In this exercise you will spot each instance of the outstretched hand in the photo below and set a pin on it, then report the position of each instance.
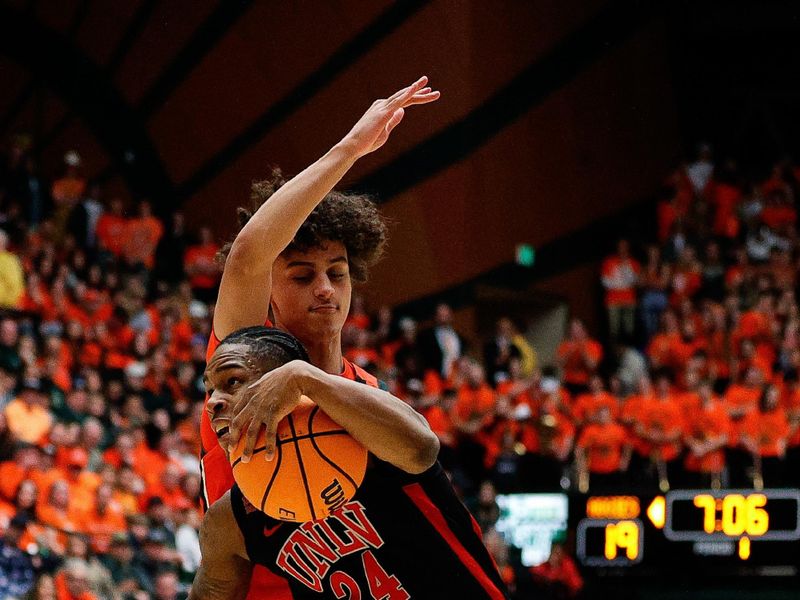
(374, 127)
(263, 404)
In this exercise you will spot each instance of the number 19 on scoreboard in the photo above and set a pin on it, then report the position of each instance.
(609, 542)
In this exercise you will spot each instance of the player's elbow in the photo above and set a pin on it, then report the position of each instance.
(425, 453)
(246, 257)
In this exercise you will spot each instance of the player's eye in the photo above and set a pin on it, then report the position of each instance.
(337, 276)
(234, 381)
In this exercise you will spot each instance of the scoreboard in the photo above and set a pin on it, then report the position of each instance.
(716, 531)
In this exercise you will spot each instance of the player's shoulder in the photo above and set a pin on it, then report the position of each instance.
(354, 372)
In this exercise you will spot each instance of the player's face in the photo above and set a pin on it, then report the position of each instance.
(228, 373)
(311, 292)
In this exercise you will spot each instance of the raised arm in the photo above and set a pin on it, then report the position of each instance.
(246, 284)
(382, 423)
(224, 572)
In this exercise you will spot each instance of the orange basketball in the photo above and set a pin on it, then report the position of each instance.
(317, 467)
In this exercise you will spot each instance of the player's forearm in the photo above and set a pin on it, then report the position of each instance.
(270, 230)
(385, 425)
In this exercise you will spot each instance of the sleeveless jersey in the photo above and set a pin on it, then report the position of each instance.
(401, 536)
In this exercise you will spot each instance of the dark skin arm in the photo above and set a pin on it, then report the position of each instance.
(224, 573)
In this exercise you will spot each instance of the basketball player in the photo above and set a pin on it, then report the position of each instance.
(401, 536)
(297, 256)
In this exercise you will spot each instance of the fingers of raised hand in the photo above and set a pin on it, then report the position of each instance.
(418, 84)
(422, 97)
(400, 97)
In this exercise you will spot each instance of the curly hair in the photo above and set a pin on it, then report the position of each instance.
(351, 219)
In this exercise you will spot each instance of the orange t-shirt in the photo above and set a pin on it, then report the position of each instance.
(769, 430)
(706, 422)
(792, 402)
(201, 256)
(740, 401)
(629, 416)
(663, 416)
(111, 232)
(474, 403)
(604, 444)
(615, 268)
(587, 406)
(141, 238)
(101, 527)
(68, 188)
(664, 349)
(28, 424)
(572, 354)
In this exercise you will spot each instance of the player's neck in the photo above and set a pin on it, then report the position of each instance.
(325, 353)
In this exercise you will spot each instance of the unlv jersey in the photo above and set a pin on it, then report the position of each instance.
(401, 536)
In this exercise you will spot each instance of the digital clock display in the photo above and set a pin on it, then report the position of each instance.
(697, 516)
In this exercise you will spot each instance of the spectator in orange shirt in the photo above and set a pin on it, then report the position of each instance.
(587, 406)
(474, 409)
(56, 510)
(142, 234)
(201, 266)
(168, 488)
(437, 410)
(604, 450)
(72, 581)
(765, 434)
(620, 276)
(103, 519)
(707, 430)
(558, 577)
(27, 415)
(111, 230)
(578, 356)
(741, 400)
(661, 424)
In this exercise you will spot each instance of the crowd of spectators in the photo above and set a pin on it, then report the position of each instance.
(106, 317)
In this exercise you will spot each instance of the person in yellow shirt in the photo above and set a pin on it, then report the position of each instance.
(12, 279)
(27, 415)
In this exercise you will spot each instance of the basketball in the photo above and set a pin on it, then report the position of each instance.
(317, 467)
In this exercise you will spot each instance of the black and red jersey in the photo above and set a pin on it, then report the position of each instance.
(401, 536)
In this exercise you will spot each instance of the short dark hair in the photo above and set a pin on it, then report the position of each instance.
(270, 346)
(352, 219)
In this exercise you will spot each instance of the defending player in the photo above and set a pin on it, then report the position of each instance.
(297, 256)
(401, 536)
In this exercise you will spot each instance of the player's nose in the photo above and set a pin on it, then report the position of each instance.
(324, 288)
(217, 405)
